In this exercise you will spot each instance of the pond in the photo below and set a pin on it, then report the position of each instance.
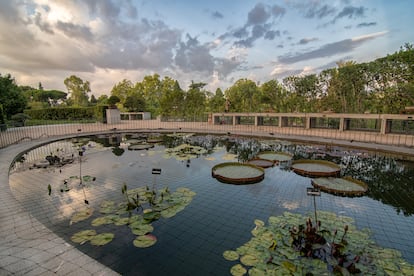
(218, 216)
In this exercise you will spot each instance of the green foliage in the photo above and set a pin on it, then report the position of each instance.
(11, 96)
(78, 90)
(113, 100)
(63, 113)
(2, 117)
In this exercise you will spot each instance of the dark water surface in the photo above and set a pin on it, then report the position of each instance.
(220, 216)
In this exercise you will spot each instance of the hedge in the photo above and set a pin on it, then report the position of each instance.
(68, 113)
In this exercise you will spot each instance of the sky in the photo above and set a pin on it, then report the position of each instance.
(216, 42)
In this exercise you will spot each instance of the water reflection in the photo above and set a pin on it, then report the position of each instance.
(219, 214)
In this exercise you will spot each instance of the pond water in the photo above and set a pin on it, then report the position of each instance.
(220, 216)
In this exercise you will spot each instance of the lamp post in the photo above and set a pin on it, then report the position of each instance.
(311, 191)
(81, 151)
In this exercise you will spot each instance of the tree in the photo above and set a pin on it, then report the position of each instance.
(135, 103)
(113, 100)
(195, 100)
(122, 90)
(93, 100)
(11, 96)
(217, 102)
(172, 99)
(78, 90)
(273, 96)
(243, 95)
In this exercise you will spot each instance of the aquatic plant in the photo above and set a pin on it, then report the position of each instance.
(141, 207)
(291, 244)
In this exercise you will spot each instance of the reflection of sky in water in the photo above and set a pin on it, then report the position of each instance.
(220, 217)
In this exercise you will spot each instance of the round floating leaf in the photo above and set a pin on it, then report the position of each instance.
(141, 229)
(102, 239)
(257, 272)
(230, 255)
(83, 236)
(121, 221)
(151, 216)
(168, 213)
(249, 260)
(238, 270)
(145, 241)
(81, 215)
(103, 220)
(107, 207)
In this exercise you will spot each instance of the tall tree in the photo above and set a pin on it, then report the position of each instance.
(78, 90)
(217, 102)
(272, 96)
(172, 99)
(11, 96)
(195, 100)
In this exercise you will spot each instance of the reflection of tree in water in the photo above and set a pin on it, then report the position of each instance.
(389, 181)
(118, 151)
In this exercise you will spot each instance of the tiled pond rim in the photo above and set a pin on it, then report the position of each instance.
(27, 247)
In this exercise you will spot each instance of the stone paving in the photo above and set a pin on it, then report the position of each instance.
(27, 247)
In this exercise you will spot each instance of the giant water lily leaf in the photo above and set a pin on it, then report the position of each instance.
(238, 270)
(81, 215)
(145, 241)
(83, 236)
(102, 239)
(230, 255)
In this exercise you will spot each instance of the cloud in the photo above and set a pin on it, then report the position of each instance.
(217, 15)
(366, 24)
(74, 31)
(191, 56)
(304, 41)
(329, 49)
(350, 12)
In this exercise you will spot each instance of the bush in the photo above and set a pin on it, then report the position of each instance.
(19, 119)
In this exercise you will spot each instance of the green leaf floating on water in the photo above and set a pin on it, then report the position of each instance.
(102, 239)
(107, 207)
(230, 255)
(139, 229)
(104, 220)
(249, 260)
(238, 270)
(81, 215)
(83, 236)
(145, 241)
(272, 251)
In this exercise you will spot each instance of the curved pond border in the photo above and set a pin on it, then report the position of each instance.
(350, 193)
(235, 180)
(310, 173)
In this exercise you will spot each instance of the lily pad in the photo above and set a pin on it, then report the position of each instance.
(104, 220)
(249, 260)
(145, 241)
(107, 207)
(81, 215)
(238, 270)
(230, 255)
(140, 229)
(102, 239)
(83, 236)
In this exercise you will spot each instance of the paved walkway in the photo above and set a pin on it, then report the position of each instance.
(27, 247)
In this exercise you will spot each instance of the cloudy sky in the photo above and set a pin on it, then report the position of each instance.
(215, 41)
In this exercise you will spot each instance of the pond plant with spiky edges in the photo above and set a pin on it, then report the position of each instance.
(291, 244)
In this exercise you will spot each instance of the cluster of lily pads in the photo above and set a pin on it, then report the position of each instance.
(184, 152)
(141, 207)
(288, 246)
